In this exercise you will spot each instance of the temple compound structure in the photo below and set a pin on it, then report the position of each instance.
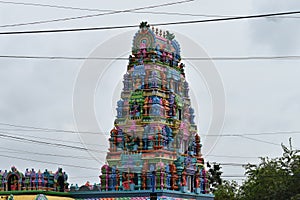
(154, 145)
(33, 184)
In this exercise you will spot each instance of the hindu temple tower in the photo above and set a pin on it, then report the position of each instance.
(154, 144)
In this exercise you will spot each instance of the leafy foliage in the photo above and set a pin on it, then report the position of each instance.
(226, 191)
(277, 178)
(214, 176)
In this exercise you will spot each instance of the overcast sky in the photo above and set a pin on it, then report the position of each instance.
(261, 95)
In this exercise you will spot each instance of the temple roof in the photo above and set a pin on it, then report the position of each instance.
(153, 38)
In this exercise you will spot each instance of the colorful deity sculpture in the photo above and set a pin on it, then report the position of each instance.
(154, 144)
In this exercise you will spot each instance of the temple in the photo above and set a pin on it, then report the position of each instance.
(33, 184)
(154, 147)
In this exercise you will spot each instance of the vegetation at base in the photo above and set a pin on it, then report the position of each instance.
(273, 178)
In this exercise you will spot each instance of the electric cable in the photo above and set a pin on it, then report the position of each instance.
(46, 138)
(50, 162)
(60, 145)
(102, 10)
(20, 151)
(219, 58)
(155, 24)
(27, 128)
(92, 15)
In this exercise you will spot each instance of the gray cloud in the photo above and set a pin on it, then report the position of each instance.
(279, 35)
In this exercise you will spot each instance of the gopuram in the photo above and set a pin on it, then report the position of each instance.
(154, 145)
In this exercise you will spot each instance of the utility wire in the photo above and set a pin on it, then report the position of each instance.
(46, 138)
(259, 140)
(27, 159)
(36, 141)
(48, 162)
(249, 138)
(89, 158)
(52, 6)
(101, 10)
(22, 139)
(60, 145)
(27, 128)
(94, 9)
(220, 58)
(155, 24)
(260, 176)
(96, 15)
(230, 156)
(109, 10)
(249, 134)
(98, 169)
(20, 151)
(48, 129)
(227, 156)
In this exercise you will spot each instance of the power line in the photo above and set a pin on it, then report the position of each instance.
(94, 9)
(102, 10)
(22, 139)
(155, 24)
(60, 57)
(287, 57)
(258, 140)
(52, 6)
(46, 138)
(230, 164)
(259, 176)
(21, 151)
(85, 149)
(27, 128)
(81, 177)
(229, 156)
(254, 134)
(223, 58)
(60, 145)
(229, 176)
(92, 15)
(249, 138)
(27, 159)
(48, 162)
(47, 129)
(223, 156)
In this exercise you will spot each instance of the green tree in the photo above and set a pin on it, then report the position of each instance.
(228, 190)
(214, 176)
(277, 178)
